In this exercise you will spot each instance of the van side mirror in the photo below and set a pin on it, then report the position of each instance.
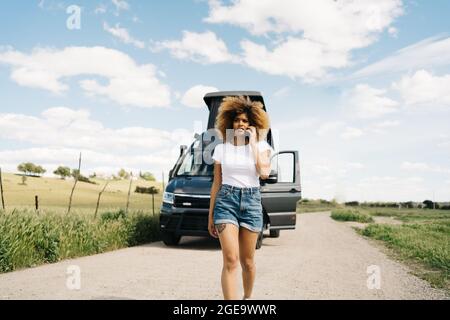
(273, 177)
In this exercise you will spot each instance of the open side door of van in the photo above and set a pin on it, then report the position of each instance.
(279, 199)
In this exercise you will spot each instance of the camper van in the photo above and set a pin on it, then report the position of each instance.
(185, 207)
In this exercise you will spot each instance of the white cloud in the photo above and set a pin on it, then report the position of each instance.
(431, 52)
(367, 102)
(67, 128)
(295, 58)
(293, 125)
(351, 133)
(283, 92)
(203, 48)
(128, 83)
(313, 36)
(59, 134)
(194, 96)
(355, 165)
(388, 124)
(329, 127)
(121, 5)
(420, 166)
(51, 5)
(423, 88)
(100, 9)
(393, 32)
(415, 166)
(387, 188)
(444, 144)
(123, 35)
(381, 127)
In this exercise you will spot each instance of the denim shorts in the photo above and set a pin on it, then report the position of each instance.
(239, 206)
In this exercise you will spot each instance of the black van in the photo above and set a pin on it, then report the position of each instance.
(185, 207)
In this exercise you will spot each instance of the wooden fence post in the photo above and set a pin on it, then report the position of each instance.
(36, 203)
(129, 191)
(153, 203)
(1, 190)
(98, 200)
(75, 183)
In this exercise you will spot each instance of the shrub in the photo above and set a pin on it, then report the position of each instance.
(27, 239)
(351, 215)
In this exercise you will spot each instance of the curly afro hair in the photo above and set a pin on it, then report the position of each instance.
(233, 106)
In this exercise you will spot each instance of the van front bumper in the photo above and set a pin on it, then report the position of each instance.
(184, 221)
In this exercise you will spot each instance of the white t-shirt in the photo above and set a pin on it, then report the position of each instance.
(238, 163)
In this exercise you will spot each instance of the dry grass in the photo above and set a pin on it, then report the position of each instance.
(54, 194)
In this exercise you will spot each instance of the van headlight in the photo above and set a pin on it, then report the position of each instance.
(168, 197)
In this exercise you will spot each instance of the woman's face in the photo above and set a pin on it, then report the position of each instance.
(240, 124)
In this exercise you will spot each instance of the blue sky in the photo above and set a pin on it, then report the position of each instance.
(359, 88)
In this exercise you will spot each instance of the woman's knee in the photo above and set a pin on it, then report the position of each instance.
(247, 264)
(231, 261)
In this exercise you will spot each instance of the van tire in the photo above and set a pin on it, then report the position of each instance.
(170, 239)
(275, 233)
(259, 241)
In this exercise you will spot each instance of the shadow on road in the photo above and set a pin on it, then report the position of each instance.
(196, 243)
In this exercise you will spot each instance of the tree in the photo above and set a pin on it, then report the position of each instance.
(75, 173)
(30, 168)
(21, 168)
(39, 170)
(428, 204)
(147, 190)
(123, 174)
(147, 176)
(63, 172)
(26, 167)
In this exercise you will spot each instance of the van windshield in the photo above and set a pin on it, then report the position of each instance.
(189, 167)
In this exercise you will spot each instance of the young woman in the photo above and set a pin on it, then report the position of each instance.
(235, 213)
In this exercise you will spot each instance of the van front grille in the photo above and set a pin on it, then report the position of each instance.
(191, 202)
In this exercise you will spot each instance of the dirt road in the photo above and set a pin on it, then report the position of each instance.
(321, 259)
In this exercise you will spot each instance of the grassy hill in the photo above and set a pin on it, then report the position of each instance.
(54, 194)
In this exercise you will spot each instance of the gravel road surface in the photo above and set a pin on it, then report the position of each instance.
(321, 259)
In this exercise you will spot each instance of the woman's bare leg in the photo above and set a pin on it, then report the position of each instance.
(229, 241)
(247, 246)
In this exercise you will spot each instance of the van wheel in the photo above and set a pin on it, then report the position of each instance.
(274, 233)
(170, 239)
(259, 241)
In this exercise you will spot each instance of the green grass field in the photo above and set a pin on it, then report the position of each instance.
(310, 205)
(29, 238)
(422, 240)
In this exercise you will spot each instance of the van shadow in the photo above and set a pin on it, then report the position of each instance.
(188, 242)
(196, 243)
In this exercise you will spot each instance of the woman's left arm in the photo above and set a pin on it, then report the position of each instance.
(262, 162)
